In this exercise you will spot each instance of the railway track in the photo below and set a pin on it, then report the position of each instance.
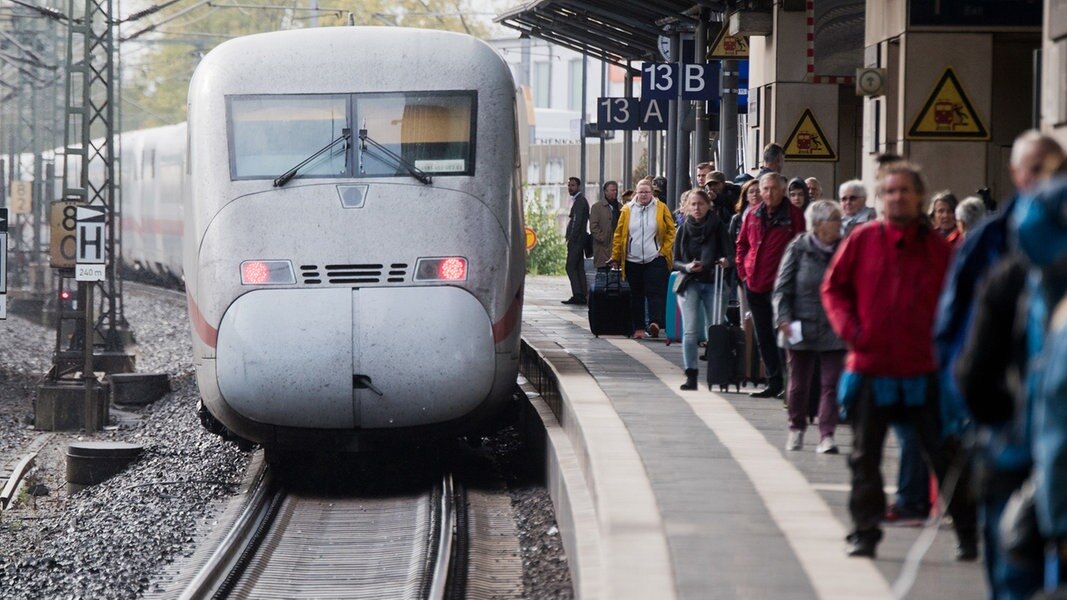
(171, 296)
(300, 545)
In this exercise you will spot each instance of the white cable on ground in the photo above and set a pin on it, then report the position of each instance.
(913, 560)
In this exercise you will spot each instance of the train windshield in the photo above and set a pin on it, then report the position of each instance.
(430, 131)
(270, 134)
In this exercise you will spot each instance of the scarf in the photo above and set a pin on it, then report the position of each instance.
(698, 240)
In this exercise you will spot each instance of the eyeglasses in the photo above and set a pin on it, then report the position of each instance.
(642, 193)
(851, 198)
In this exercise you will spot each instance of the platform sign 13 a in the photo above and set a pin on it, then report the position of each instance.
(3, 263)
(629, 114)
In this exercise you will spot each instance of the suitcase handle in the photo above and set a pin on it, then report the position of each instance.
(718, 297)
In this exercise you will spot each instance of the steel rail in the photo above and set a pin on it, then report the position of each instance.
(218, 573)
(446, 534)
(176, 297)
(15, 479)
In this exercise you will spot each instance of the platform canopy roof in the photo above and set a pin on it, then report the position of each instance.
(611, 30)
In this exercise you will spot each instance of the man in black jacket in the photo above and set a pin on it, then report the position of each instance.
(577, 237)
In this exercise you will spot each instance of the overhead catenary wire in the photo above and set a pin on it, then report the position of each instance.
(168, 19)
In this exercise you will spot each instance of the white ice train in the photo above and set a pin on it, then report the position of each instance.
(353, 243)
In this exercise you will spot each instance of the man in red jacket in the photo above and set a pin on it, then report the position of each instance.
(765, 233)
(880, 293)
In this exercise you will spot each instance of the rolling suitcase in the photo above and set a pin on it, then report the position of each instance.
(609, 304)
(725, 344)
(674, 314)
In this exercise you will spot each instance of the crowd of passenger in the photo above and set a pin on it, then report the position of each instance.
(943, 320)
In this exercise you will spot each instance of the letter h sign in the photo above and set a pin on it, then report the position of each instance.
(90, 236)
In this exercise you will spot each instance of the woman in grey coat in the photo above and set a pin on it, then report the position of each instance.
(804, 330)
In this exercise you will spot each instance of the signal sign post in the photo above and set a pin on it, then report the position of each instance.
(90, 244)
(3, 263)
(88, 269)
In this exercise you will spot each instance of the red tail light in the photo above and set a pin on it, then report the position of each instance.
(254, 272)
(451, 268)
(262, 272)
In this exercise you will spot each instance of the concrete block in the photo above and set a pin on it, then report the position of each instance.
(60, 406)
(138, 388)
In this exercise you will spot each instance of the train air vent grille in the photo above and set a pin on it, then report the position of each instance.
(355, 273)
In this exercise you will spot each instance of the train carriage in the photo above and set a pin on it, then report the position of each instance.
(353, 247)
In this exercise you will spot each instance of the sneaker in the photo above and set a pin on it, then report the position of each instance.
(795, 441)
(902, 518)
(639, 334)
(653, 330)
(769, 392)
(967, 548)
(863, 544)
(826, 446)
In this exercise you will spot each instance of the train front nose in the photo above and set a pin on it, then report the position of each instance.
(369, 358)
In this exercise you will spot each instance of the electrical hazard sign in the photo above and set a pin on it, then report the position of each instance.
(808, 142)
(728, 46)
(948, 114)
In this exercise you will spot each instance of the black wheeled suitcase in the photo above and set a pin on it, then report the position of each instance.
(609, 304)
(723, 351)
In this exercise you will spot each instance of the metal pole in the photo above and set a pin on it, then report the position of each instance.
(628, 138)
(86, 293)
(1035, 103)
(674, 106)
(603, 93)
(728, 118)
(653, 150)
(581, 128)
(702, 124)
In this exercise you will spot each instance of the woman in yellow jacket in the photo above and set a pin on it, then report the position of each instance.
(644, 244)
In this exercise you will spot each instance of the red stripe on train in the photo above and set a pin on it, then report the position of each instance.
(208, 334)
(157, 226)
(502, 329)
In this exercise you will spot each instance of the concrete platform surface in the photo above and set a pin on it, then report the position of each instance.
(664, 493)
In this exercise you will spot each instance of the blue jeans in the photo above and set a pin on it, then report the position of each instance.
(694, 294)
(913, 481)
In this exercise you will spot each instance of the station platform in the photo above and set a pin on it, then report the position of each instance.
(664, 493)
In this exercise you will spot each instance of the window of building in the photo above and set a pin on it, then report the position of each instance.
(574, 85)
(542, 84)
(554, 171)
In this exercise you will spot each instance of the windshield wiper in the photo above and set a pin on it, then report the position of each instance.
(285, 177)
(411, 169)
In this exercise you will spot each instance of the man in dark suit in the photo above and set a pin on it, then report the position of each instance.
(577, 237)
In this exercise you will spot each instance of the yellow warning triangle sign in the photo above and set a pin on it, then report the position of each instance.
(728, 46)
(807, 142)
(948, 114)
